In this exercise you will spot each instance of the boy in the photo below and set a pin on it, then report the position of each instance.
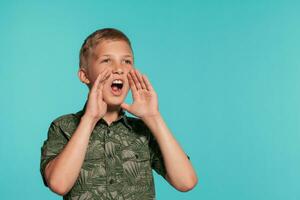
(100, 152)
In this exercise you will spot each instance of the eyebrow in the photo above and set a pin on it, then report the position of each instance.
(112, 55)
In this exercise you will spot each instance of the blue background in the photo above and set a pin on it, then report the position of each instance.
(226, 74)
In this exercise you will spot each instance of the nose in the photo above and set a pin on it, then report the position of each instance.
(117, 71)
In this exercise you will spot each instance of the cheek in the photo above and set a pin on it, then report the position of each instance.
(128, 68)
(93, 76)
(95, 70)
(96, 73)
(126, 71)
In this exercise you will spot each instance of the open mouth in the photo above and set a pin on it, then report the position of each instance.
(117, 86)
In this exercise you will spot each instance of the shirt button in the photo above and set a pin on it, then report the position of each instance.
(111, 181)
(109, 132)
(137, 156)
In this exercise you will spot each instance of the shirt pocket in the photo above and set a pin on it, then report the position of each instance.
(136, 164)
(93, 158)
(142, 155)
(137, 155)
(138, 150)
(94, 151)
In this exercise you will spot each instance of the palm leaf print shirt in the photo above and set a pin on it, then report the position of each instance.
(119, 159)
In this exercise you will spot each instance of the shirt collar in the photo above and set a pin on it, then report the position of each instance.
(122, 115)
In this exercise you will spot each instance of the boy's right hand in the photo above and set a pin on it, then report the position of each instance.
(96, 107)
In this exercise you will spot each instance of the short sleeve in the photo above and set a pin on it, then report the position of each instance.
(51, 147)
(157, 162)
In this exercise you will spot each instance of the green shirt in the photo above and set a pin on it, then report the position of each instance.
(118, 161)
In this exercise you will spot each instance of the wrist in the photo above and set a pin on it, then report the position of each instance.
(152, 117)
(155, 123)
(89, 120)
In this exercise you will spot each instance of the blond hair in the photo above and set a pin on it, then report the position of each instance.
(90, 43)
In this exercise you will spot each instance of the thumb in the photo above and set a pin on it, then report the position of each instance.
(125, 106)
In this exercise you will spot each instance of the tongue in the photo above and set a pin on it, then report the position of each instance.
(115, 88)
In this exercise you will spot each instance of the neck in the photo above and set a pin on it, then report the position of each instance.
(112, 114)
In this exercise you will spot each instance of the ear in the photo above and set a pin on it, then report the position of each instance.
(82, 75)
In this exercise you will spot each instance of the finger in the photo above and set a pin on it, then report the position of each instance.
(139, 76)
(100, 93)
(132, 85)
(101, 84)
(147, 83)
(131, 82)
(135, 80)
(104, 78)
(96, 83)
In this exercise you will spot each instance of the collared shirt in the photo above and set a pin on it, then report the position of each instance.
(119, 159)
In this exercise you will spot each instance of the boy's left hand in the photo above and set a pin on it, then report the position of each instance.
(145, 101)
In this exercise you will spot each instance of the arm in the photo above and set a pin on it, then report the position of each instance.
(62, 172)
(180, 173)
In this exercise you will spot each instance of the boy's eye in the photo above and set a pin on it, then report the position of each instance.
(128, 62)
(105, 60)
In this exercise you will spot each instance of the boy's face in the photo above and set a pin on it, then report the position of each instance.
(117, 56)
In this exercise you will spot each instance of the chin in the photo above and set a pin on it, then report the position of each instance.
(114, 101)
(109, 99)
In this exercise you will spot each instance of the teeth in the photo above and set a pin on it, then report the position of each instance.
(117, 81)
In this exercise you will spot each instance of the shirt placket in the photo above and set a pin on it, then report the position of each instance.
(109, 179)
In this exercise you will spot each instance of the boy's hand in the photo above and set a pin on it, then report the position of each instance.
(96, 107)
(145, 102)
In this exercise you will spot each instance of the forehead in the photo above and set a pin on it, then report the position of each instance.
(112, 47)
